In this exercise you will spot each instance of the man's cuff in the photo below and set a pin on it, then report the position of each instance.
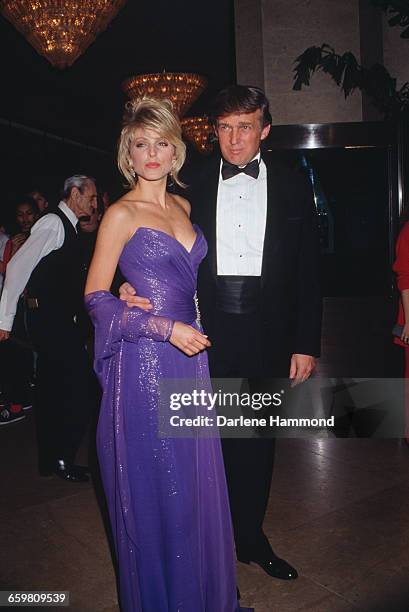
(6, 323)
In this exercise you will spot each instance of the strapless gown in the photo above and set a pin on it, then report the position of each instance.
(167, 498)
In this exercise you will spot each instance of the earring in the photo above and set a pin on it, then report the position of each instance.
(170, 180)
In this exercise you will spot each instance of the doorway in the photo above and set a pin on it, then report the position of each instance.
(354, 173)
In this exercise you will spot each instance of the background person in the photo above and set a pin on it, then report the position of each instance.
(40, 199)
(26, 214)
(3, 241)
(401, 269)
(65, 386)
(17, 356)
(87, 237)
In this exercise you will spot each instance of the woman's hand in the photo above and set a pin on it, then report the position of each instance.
(188, 339)
(17, 241)
(405, 334)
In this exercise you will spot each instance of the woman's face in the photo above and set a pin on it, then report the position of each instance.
(152, 156)
(25, 217)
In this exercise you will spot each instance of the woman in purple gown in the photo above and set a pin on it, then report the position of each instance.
(167, 497)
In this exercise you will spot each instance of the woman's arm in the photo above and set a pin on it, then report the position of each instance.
(130, 323)
(112, 319)
(405, 303)
(401, 268)
(114, 232)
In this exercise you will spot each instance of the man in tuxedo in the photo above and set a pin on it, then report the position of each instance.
(66, 387)
(258, 290)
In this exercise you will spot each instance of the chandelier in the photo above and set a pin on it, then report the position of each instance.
(198, 130)
(60, 30)
(181, 87)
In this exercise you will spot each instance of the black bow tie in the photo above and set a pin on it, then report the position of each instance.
(229, 170)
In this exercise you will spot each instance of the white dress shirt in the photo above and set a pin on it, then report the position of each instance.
(3, 241)
(47, 235)
(241, 223)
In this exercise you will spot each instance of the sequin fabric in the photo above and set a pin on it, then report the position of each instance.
(167, 497)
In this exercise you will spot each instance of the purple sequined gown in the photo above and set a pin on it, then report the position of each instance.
(167, 498)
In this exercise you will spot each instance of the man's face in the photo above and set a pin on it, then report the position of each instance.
(87, 200)
(240, 135)
(90, 225)
(40, 199)
(25, 217)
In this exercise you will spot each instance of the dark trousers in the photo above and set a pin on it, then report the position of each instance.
(66, 387)
(17, 361)
(236, 353)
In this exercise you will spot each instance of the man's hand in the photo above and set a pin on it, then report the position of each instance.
(301, 367)
(188, 339)
(4, 335)
(128, 294)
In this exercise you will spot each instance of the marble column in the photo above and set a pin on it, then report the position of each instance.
(371, 39)
(270, 34)
(249, 43)
(396, 53)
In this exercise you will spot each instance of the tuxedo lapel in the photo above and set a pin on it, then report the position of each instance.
(275, 216)
(210, 206)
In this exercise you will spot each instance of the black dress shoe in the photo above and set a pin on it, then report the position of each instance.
(71, 473)
(273, 566)
(83, 469)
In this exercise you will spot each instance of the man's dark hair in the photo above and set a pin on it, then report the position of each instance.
(27, 199)
(240, 99)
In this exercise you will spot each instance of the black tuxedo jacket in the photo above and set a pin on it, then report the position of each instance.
(290, 305)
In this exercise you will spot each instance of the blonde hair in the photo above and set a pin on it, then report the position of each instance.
(151, 114)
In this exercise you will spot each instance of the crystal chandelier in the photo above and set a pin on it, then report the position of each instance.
(198, 130)
(181, 87)
(60, 30)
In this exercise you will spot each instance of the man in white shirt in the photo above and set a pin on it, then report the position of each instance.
(3, 241)
(258, 289)
(48, 260)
